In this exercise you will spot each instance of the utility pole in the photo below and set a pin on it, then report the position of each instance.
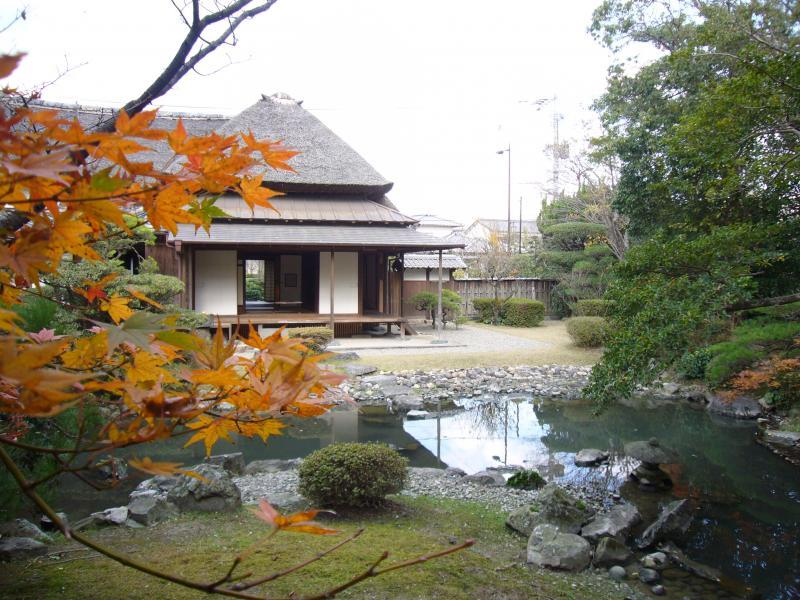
(520, 225)
(540, 103)
(508, 223)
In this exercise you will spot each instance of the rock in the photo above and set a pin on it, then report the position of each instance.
(216, 493)
(233, 463)
(288, 502)
(486, 478)
(22, 528)
(741, 407)
(782, 438)
(110, 516)
(46, 524)
(343, 357)
(359, 370)
(656, 560)
(617, 573)
(160, 484)
(672, 523)
(379, 380)
(590, 457)
(553, 506)
(271, 465)
(690, 566)
(610, 551)
(455, 471)
(658, 590)
(148, 507)
(20, 548)
(648, 575)
(671, 388)
(112, 468)
(618, 521)
(407, 402)
(549, 547)
(417, 414)
(395, 390)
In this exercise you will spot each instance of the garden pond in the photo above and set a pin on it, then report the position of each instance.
(748, 520)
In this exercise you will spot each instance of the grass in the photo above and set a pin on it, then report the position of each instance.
(559, 351)
(202, 546)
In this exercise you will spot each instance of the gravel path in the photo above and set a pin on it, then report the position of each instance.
(465, 339)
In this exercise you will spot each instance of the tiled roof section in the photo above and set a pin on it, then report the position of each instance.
(323, 236)
(297, 207)
(431, 261)
(501, 225)
(324, 159)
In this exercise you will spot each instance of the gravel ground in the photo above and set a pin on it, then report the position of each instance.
(465, 339)
(421, 482)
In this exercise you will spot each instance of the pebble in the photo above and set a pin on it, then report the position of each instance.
(658, 590)
(617, 573)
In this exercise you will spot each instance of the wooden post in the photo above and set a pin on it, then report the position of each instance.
(439, 301)
(402, 324)
(386, 294)
(333, 280)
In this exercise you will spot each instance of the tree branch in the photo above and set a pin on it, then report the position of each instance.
(762, 302)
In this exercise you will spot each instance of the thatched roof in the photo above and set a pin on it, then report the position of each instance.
(310, 209)
(324, 159)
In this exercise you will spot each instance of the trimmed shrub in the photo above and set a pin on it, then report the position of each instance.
(352, 474)
(36, 313)
(692, 365)
(527, 479)
(587, 332)
(428, 302)
(521, 312)
(316, 338)
(489, 309)
(595, 307)
(729, 358)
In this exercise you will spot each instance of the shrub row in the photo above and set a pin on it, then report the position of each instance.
(514, 312)
(591, 308)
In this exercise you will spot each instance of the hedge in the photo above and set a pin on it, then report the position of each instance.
(587, 332)
(489, 309)
(594, 307)
(521, 312)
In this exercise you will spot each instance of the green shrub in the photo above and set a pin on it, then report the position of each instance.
(521, 312)
(352, 474)
(729, 358)
(187, 318)
(587, 332)
(489, 310)
(527, 479)
(594, 307)
(254, 288)
(316, 338)
(692, 365)
(428, 302)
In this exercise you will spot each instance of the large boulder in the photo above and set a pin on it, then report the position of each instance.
(672, 524)
(549, 547)
(233, 463)
(20, 548)
(740, 407)
(610, 551)
(148, 507)
(215, 492)
(590, 457)
(617, 522)
(554, 506)
(488, 477)
(110, 516)
(359, 370)
(22, 528)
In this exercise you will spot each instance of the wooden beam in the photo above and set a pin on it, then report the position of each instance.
(333, 281)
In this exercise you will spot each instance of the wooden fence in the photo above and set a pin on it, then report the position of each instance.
(469, 289)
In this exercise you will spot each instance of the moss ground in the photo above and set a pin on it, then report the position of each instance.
(559, 351)
(202, 546)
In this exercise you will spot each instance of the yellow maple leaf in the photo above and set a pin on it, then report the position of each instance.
(262, 429)
(147, 367)
(210, 431)
(87, 353)
(117, 308)
(68, 237)
(140, 296)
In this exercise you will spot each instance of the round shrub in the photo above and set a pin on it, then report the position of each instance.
(595, 307)
(315, 338)
(521, 312)
(692, 365)
(587, 332)
(352, 474)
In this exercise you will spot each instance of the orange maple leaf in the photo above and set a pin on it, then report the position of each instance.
(210, 431)
(301, 522)
(255, 194)
(117, 308)
(148, 465)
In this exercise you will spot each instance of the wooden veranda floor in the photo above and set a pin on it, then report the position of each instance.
(344, 324)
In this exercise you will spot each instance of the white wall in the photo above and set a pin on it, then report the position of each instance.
(215, 286)
(290, 264)
(345, 293)
(415, 275)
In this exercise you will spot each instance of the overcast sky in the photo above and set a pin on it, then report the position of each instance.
(426, 90)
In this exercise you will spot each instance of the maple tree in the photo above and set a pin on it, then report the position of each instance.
(154, 380)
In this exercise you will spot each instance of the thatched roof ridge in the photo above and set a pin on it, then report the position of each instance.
(325, 160)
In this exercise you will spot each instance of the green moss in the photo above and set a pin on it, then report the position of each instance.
(201, 547)
(527, 479)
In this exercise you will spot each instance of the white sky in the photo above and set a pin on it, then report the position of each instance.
(426, 90)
